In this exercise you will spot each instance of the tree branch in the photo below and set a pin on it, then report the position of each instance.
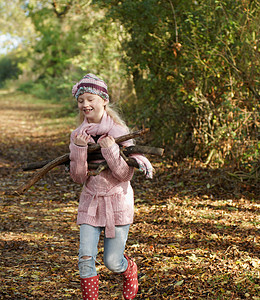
(97, 155)
(63, 12)
(65, 158)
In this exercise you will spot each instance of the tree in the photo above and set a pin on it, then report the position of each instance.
(71, 41)
(15, 24)
(195, 67)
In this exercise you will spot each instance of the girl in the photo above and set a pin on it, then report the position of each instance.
(106, 202)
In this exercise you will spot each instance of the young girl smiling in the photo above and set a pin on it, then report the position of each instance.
(106, 202)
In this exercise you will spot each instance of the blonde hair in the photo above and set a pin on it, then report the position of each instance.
(112, 111)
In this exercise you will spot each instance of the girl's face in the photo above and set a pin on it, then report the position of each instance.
(92, 107)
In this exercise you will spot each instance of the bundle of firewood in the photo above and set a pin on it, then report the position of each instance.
(94, 154)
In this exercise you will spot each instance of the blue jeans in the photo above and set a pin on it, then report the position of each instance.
(114, 249)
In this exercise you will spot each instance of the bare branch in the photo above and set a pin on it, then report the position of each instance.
(64, 11)
(64, 158)
(98, 156)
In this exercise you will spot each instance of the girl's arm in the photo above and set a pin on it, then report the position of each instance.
(118, 166)
(78, 159)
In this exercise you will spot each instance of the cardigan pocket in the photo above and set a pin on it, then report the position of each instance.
(122, 203)
(84, 202)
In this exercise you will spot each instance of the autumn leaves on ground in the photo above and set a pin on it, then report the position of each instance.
(195, 235)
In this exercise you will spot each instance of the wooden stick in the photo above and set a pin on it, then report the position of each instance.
(64, 158)
(38, 175)
(99, 167)
(98, 156)
(120, 139)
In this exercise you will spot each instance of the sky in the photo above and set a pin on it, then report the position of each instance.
(7, 43)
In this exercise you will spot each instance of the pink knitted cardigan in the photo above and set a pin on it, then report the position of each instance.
(107, 199)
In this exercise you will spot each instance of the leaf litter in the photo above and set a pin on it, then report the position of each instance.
(195, 234)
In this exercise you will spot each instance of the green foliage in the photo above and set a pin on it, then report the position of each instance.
(73, 39)
(56, 89)
(56, 42)
(100, 51)
(195, 67)
(150, 61)
(225, 66)
(9, 68)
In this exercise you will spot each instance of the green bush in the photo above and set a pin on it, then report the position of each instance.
(194, 66)
(9, 68)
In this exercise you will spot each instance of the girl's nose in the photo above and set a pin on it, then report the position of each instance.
(85, 102)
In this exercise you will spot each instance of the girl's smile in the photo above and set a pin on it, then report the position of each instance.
(87, 110)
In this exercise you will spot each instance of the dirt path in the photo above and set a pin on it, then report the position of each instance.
(195, 235)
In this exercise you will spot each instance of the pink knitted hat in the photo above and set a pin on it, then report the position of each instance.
(90, 83)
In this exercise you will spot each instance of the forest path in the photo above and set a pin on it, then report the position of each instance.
(192, 237)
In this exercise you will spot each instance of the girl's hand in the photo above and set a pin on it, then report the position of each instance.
(106, 142)
(81, 139)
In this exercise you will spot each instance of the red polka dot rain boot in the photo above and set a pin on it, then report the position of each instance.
(130, 284)
(89, 287)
